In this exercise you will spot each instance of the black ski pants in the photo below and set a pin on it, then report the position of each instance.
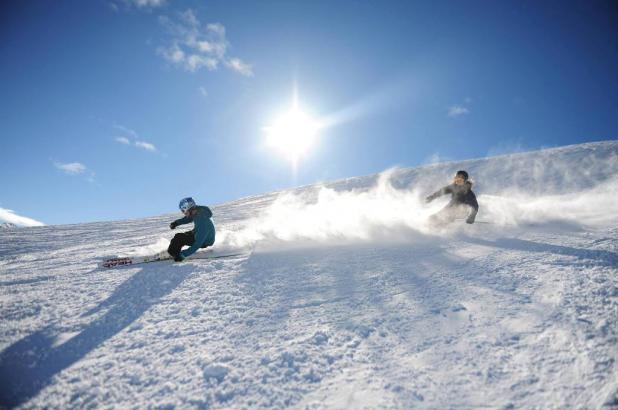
(180, 240)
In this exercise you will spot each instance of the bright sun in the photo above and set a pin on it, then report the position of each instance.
(292, 134)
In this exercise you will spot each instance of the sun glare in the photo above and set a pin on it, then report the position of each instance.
(292, 134)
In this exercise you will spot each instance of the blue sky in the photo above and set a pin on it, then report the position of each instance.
(116, 109)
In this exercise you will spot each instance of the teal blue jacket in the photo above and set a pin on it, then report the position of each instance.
(203, 231)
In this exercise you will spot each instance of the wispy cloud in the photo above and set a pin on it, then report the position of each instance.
(148, 3)
(203, 91)
(460, 109)
(72, 168)
(194, 46)
(75, 168)
(139, 4)
(457, 110)
(126, 130)
(7, 215)
(132, 138)
(240, 67)
(145, 145)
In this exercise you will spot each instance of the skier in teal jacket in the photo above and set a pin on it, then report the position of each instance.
(202, 235)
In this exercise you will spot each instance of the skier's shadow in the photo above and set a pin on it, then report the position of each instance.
(28, 366)
(601, 257)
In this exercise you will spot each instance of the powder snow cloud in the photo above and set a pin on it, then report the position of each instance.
(519, 189)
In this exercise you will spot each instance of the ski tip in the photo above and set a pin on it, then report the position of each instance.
(115, 262)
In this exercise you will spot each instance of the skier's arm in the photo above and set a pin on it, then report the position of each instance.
(181, 221)
(443, 191)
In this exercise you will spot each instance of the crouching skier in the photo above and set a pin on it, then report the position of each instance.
(202, 235)
(463, 202)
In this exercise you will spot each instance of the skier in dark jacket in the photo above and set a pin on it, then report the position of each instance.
(463, 202)
(202, 235)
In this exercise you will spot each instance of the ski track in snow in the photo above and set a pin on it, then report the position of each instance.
(489, 316)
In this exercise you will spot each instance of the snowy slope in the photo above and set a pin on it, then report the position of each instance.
(344, 297)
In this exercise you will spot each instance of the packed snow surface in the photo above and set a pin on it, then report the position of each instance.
(342, 296)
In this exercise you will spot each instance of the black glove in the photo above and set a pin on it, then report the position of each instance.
(470, 219)
(173, 225)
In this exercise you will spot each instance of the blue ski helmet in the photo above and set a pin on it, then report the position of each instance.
(186, 204)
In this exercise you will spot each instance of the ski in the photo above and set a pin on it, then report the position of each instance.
(162, 256)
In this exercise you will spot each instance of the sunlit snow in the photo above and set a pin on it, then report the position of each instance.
(342, 297)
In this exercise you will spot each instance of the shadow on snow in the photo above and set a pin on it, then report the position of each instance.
(599, 257)
(29, 365)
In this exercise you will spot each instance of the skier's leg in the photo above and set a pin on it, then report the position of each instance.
(443, 216)
(461, 211)
(449, 214)
(471, 214)
(180, 240)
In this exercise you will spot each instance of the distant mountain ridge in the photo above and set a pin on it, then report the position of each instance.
(7, 225)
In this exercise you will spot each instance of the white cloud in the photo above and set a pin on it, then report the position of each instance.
(73, 168)
(147, 3)
(190, 18)
(194, 62)
(7, 215)
(173, 54)
(457, 110)
(126, 130)
(217, 28)
(194, 46)
(237, 65)
(133, 139)
(145, 145)
(206, 46)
